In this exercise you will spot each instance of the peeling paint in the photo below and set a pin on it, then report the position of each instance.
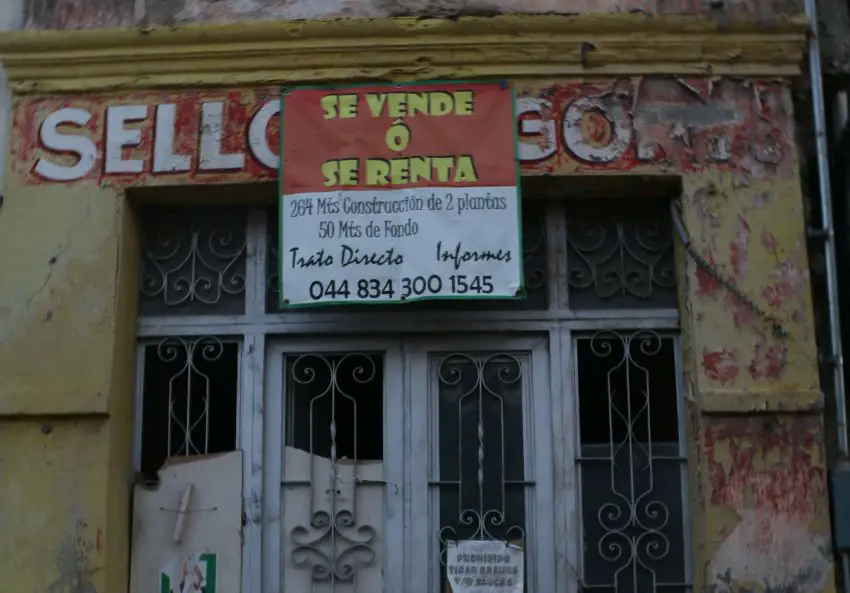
(100, 13)
(647, 125)
(78, 14)
(661, 124)
(767, 362)
(742, 313)
(739, 248)
(769, 241)
(758, 485)
(721, 365)
(771, 475)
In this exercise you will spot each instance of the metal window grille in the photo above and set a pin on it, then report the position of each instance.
(631, 459)
(482, 478)
(193, 261)
(599, 275)
(620, 257)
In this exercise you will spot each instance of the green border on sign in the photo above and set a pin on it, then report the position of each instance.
(211, 576)
(212, 570)
(520, 293)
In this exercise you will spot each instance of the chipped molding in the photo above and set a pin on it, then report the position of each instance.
(269, 52)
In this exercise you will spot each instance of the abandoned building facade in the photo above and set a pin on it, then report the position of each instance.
(659, 413)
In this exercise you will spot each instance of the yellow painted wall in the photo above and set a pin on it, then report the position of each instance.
(67, 329)
(68, 280)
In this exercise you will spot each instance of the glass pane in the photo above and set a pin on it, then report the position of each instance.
(335, 405)
(620, 254)
(333, 474)
(193, 261)
(631, 468)
(190, 389)
(535, 273)
(481, 452)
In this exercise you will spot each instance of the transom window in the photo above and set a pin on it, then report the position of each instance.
(376, 436)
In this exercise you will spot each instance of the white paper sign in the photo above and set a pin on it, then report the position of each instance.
(485, 567)
(400, 245)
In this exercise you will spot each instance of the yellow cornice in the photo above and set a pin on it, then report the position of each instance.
(254, 53)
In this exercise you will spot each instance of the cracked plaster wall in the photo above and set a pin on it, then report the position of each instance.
(757, 481)
(73, 14)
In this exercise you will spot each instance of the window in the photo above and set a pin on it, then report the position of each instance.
(189, 398)
(631, 462)
(374, 436)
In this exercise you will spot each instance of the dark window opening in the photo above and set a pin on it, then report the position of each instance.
(336, 401)
(481, 453)
(631, 464)
(193, 261)
(190, 394)
(620, 254)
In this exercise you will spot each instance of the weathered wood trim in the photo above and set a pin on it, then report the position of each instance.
(254, 53)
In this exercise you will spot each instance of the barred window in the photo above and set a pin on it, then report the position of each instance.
(631, 461)
(394, 430)
(189, 398)
(620, 255)
(193, 261)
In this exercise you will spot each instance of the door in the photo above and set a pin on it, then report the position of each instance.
(391, 449)
(340, 503)
(480, 465)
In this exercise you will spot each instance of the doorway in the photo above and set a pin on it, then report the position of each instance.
(393, 448)
(373, 436)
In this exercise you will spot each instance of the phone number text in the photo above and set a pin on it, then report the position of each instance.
(374, 289)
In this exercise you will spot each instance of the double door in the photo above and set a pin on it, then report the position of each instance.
(392, 448)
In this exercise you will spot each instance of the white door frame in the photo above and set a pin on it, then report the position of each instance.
(393, 462)
(422, 575)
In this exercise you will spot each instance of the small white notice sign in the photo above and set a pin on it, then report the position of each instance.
(487, 566)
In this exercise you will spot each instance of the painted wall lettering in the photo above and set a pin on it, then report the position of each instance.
(212, 135)
(80, 147)
(165, 160)
(654, 124)
(119, 137)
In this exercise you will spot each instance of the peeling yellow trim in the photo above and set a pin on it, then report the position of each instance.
(720, 401)
(252, 53)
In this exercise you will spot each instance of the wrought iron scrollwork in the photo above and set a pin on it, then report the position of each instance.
(534, 249)
(478, 385)
(613, 256)
(633, 516)
(337, 565)
(186, 420)
(192, 259)
(332, 546)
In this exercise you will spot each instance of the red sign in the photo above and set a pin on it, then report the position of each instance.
(399, 193)
(397, 136)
